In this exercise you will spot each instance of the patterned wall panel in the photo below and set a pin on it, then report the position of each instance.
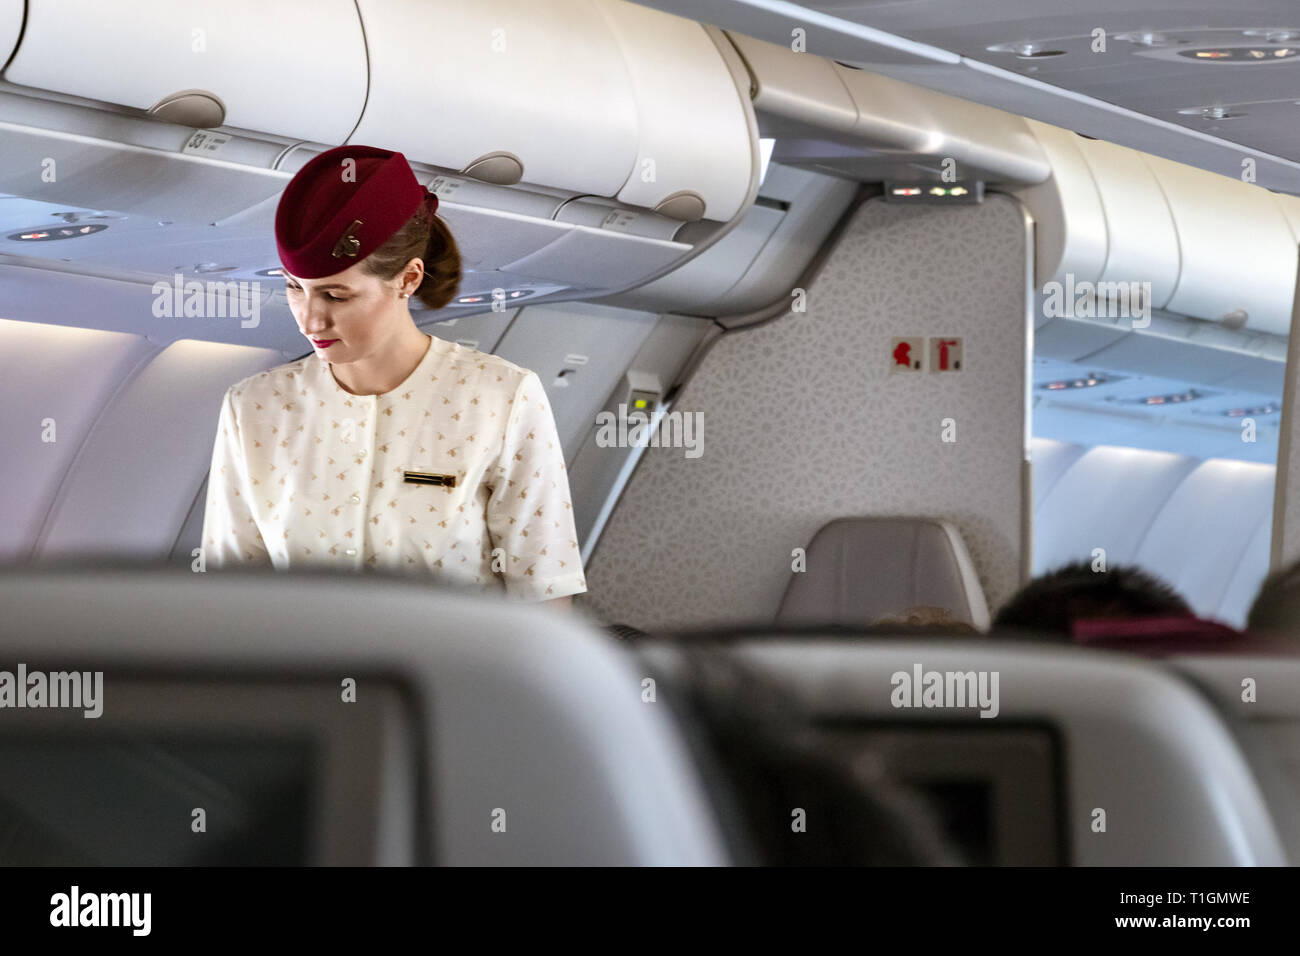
(803, 423)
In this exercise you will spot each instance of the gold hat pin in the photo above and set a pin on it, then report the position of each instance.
(349, 245)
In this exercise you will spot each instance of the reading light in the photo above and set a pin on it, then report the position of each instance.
(1239, 55)
(487, 296)
(1268, 409)
(1272, 35)
(1087, 381)
(1190, 395)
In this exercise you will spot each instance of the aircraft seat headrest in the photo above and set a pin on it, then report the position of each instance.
(862, 569)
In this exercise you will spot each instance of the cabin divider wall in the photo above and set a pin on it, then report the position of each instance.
(803, 421)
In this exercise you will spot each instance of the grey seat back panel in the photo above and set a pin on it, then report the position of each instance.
(522, 709)
(1261, 699)
(1140, 743)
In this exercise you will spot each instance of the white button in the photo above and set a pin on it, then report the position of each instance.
(352, 551)
(356, 498)
(361, 453)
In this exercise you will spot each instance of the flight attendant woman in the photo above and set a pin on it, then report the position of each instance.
(386, 447)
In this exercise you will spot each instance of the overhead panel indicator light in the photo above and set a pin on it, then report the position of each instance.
(930, 192)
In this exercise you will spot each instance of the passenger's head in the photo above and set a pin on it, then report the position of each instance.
(923, 619)
(1277, 606)
(1052, 602)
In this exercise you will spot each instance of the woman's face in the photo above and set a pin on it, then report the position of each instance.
(349, 315)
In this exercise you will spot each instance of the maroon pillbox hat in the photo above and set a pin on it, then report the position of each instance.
(326, 223)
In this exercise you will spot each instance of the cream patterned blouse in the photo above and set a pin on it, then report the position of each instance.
(457, 473)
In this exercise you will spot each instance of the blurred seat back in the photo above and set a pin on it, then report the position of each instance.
(424, 725)
(1258, 692)
(1086, 758)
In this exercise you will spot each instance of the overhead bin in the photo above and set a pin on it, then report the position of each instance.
(697, 152)
(812, 93)
(596, 97)
(994, 142)
(1141, 238)
(1117, 226)
(540, 82)
(798, 86)
(758, 262)
(1237, 252)
(1070, 231)
(1212, 247)
(295, 68)
(538, 236)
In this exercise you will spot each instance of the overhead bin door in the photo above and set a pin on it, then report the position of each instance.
(294, 68)
(694, 142)
(596, 97)
(1142, 242)
(1070, 221)
(542, 84)
(987, 143)
(1237, 251)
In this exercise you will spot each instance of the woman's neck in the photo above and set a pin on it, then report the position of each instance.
(380, 374)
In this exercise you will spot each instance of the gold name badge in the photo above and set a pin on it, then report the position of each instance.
(429, 478)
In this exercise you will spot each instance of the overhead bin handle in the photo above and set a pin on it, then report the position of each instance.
(685, 204)
(501, 167)
(196, 108)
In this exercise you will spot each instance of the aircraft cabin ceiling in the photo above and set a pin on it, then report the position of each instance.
(1202, 82)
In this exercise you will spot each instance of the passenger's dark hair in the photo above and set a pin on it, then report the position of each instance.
(1052, 602)
(1277, 605)
(428, 238)
(773, 761)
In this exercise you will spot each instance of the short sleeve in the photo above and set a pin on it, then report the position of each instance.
(230, 533)
(530, 512)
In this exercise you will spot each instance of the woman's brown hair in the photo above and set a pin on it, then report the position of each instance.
(428, 238)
